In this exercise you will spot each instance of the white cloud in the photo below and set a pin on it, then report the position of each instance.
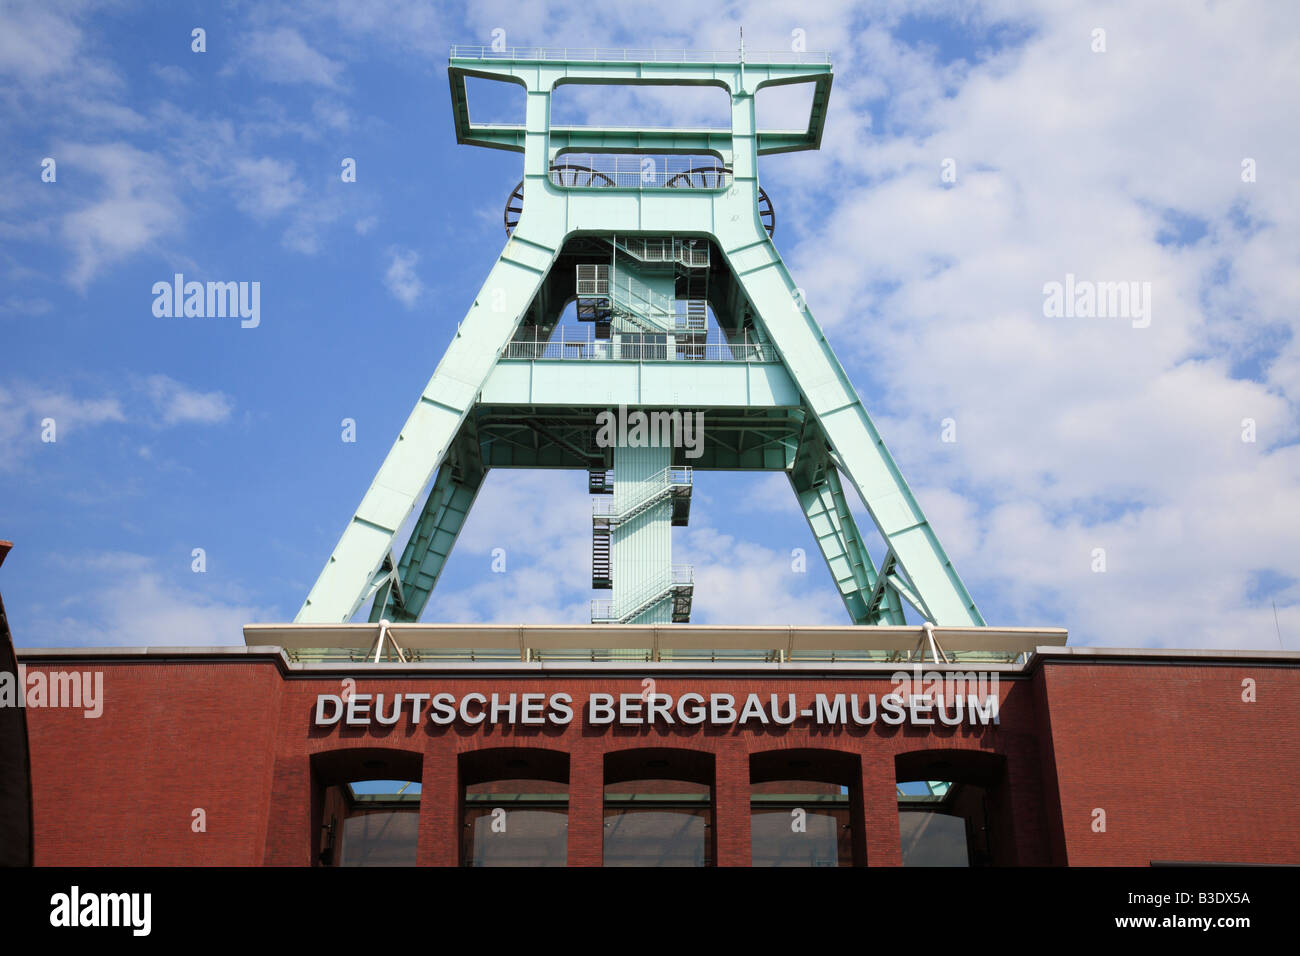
(172, 75)
(332, 114)
(16, 307)
(36, 44)
(134, 602)
(400, 278)
(138, 206)
(156, 400)
(542, 523)
(24, 407)
(1072, 433)
(741, 582)
(265, 187)
(283, 56)
(176, 403)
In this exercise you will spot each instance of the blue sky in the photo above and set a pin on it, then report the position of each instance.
(1073, 435)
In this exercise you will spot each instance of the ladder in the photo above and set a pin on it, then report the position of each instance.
(602, 572)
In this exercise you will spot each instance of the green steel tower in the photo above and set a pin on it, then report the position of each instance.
(696, 352)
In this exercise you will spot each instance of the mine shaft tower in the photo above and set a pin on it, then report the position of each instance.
(662, 240)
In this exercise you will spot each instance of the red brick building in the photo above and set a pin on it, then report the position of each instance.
(252, 755)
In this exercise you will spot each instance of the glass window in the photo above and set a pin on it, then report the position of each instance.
(658, 823)
(932, 839)
(371, 823)
(516, 823)
(380, 837)
(799, 823)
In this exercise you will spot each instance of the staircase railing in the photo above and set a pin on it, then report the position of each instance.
(662, 485)
(680, 576)
(665, 250)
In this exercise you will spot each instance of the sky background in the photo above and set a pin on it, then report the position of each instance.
(1072, 434)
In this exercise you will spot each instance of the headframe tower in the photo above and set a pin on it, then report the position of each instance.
(662, 240)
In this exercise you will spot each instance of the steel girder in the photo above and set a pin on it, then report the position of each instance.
(816, 484)
(409, 584)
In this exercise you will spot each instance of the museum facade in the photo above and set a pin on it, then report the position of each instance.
(293, 750)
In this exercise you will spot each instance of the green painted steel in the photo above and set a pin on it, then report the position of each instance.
(642, 540)
(816, 484)
(431, 541)
(510, 391)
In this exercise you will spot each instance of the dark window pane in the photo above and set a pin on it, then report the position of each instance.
(516, 836)
(658, 836)
(825, 839)
(932, 839)
(380, 838)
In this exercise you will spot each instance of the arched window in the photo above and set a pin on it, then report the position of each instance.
(659, 808)
(369, 807)
(800, 807)
(952, 808)
(514, 807)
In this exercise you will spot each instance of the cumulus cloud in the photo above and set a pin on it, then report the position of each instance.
(400, 278)
(155, 401)
(138, 206)
(543, 529)
(133, 600)
(23, 407)
(1079, 434)
(1072, 434)
(265, 187)
(283, 56)
(176, 403)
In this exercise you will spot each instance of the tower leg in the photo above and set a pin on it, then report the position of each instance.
(430, 544)
(427, 435)
(855, 444)
(822, 499)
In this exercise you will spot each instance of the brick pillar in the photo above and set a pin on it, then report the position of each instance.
(879, 795)
(291, 837)
(440, 826)
(586, 808)
(731, 824)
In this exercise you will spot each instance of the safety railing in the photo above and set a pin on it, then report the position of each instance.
(638, 171)
(603, 609)
(609, 54)
(662, 484)
(686, 251)
(632, 295)
(677, 346)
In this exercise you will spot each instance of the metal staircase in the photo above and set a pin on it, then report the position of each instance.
(619, 296)
(685, 252)
(674, 482)
(680, 588)
(673, 485)
(602, 571)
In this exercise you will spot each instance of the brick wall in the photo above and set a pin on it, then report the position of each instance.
(1183, 769)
